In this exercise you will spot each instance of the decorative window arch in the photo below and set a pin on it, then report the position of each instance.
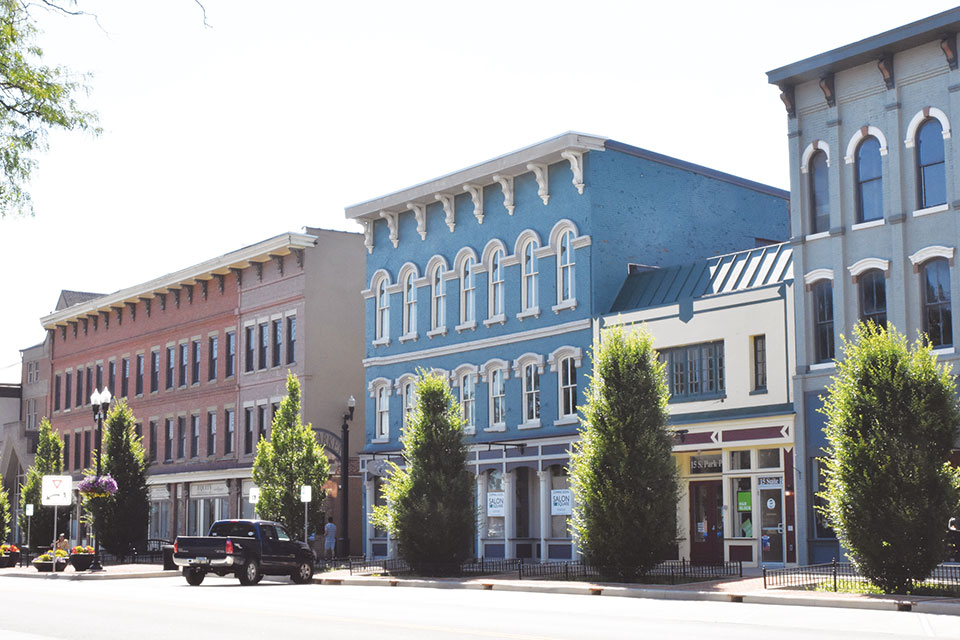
(496, 372)
(493, 257)
(559, 229)
(379, 274)
(861, 133)
(465, 378)
(465, 264)
(933, 251)
(406, 386)
(383, 313)
(918, 119)
(869, 179)
(407, 280)
(930, 163)
(861, 266)
(526, 250)
(811, 277)
(436, 272)
(812, 148)
(937, 310)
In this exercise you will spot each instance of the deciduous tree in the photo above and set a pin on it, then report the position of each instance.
(48, 461)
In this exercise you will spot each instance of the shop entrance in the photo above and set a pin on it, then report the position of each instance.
(771, 519)
(706, 521)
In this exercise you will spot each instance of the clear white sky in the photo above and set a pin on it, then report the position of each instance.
(283, 113)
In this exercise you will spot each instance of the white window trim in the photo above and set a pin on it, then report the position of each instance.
(566, 304)
(409, 337)
(533, 312)
(943, 351)
(866, 264)
(933, 251)
(823, 365)
(382, 342)
(439, 331)
(408, 270)
(438, 292)
(816, 236)
(527, 311)
(566, 420)
(387, 389)
(466, 326)
(859, 135)
(497, 319)
(464, 293)
(869, 224)
(925, 212)
(817, 275)
(492, 315)
(928, 112)
(813, 147)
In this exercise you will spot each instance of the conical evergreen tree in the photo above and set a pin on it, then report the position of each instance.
(48, 461)
(892, 418)
(124, 516)
(293, 457)
(4, 513)
(623, 476)
(430, 507)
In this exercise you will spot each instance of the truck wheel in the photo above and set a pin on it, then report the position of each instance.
(304, 572)
(250, 573)
(194, 576)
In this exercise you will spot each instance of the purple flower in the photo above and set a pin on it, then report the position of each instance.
(103, 485)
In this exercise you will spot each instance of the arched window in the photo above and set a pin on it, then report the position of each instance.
(931, 176)
(468, 397)
(439, 300)
(819, 193)
(497, 398)
(937, 316)
(496, 284)
(873, 296)
(568, 387)
(531, 393)
(383, 310)
(383, 412)
(468, 293)
(409, 305)
(823, 320)
(409, 402)
(869, 181)
(529, 284)
(565, 266)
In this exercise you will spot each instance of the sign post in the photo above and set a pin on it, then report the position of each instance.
(29, 522)
(254, 498)
(306, 495)
(56, 491)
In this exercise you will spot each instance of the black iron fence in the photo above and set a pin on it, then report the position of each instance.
(844, 576)
(399, 567)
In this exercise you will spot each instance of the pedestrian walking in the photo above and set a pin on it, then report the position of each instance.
(953, 540)
(329, 539)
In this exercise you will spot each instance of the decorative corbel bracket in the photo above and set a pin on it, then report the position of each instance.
(146, 305)
(826, 85)
(176, 298)
(368, 235)
(258, 267)
(163, 301)
(220, 281)
(133, 311)
(106, 320)
(949, 47)
(239, 274)
(189, 290)
(506, 183)
(298, 254)
(204, 288)
(391, 219)
(540, 171)
(575, 158)
(786, 96)
(885, 64)
(476, 194)
(278, 260)
(450, 218)
(85, 325)
(420, 213)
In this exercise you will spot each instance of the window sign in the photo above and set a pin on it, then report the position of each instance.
(770, 482)
(744, 501)
(707, 463)
(495, 503)
(561, 502)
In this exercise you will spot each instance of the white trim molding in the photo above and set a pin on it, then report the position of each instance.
(461, 257)
(927, 112)
(813, 147)
(558, 354)
(506, 185)
(376, 383)
(392, 224)
(463, 370)
(404, 379)
(816, 275)
(379, 274)
(449, 209)
(542, 173)
(490, 365)
(933, 251)
(420, 214)
(522, 239)
(525, 359)
(476, 194)
(575, 158)
(865, 132)
(867, 264)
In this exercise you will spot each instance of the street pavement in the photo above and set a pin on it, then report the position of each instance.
(166, 607)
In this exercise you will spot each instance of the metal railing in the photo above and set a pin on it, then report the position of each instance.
(398, 567)
(836, 576)
(666, 572)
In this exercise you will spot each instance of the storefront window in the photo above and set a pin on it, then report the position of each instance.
(559, 524)
(742, 495)
(740, 460)
(821, 528)
(768, 459)
(380, 499)
(494, 486)
(160, 519)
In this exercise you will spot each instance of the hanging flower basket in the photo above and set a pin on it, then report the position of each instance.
(97, 486)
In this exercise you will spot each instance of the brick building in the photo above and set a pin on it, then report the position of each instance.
(202, 356)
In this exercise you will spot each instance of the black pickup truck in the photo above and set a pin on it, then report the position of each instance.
(248, 549)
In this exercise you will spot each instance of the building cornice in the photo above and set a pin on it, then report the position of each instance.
(220, 266)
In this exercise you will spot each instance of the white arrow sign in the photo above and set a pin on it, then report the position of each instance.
(56, 491)
(254, 495)
(306, 493)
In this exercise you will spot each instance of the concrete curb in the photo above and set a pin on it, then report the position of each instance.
(85, 575)
(933, 606)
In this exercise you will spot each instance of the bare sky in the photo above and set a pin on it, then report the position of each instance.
(283, 113)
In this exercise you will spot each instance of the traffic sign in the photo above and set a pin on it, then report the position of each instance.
(254, 495)
(56, 491)
(306, 493)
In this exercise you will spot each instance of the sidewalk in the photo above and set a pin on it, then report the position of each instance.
(111, 572)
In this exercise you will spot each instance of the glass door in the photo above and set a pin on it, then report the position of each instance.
(771, 519)
(706, 521)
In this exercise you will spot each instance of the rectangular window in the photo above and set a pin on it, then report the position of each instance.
(277, 342)
(768, 459)
(90, 388)
(86, 449)
(56, 392)
(212, 356)
(194, 436)
(171, 354)
(99, 376)
(181, 437)
(264, 344)
(251, 345)
(760, 363)
(262, 422)
(531, 393)
(742, 493)
(154, 371)
(568, 387)
(80, 386)
(497, 399)
(231, 354)
(822, 528)
(66, 451)
(153, 441)
(211, 433)
(124, 377)
(168, 440)
(229, 428)
(182, 365)
(291, 339)
(695, 372)
(76, 451)
(195, 369)
(112, 375)
(248, 431)
(68, 395)
(740, 460)
(139, 380)
(823, 320)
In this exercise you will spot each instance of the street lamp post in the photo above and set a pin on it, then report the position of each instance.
(344, 491)
(101, 403)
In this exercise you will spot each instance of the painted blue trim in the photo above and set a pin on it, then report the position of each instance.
(763, 411)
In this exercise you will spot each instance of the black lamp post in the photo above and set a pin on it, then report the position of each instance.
(101, 403)
(345, 477)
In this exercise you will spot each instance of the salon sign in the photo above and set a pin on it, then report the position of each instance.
(495, 502)
(561, 502)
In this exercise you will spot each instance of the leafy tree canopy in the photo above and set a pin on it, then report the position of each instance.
(48, 461)
(4, 513)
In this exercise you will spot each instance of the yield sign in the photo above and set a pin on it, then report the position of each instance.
(56, 491)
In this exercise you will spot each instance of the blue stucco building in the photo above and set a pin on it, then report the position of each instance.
(496, 276)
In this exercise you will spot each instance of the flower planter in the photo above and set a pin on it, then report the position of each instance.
(14, 558)
(6, 561)
(81, 561)
(48, 567)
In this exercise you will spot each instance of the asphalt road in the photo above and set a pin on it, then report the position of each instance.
(166, 608)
